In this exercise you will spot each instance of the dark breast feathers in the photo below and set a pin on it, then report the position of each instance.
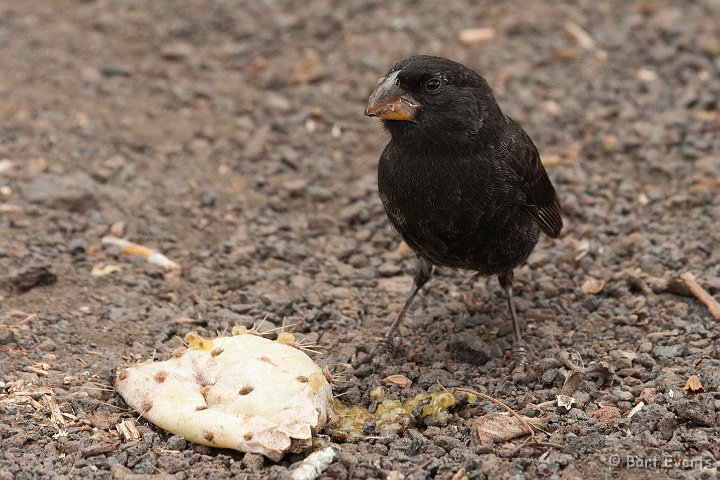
(481, 210)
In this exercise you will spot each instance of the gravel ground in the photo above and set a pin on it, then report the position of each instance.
(229, 135)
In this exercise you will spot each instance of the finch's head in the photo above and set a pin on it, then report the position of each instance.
(433, 97)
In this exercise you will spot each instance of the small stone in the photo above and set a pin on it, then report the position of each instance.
(115, 71)
(354, 212)
(667, 425)
(447, 442)
(646, 75)
(389, 269)
(7, 337)
(98, 448)
(539, 258)
(625, 396)
(577, 414)
(319, 193)
(118, 229)
(33, 277)
(295, 186)
(549, 376)
(208, 199)
(670, 351)
(253, 461)
(470, 349)
(74, 192)
(176, 442)
(397, 284)
(593, 285)
(609, 415)
(309, 68)
(176, 51)
(120, 472)
(340, 292)
(358, 261)
(696, 412)
(278, 102)
(172, 464)
(581, 398)
(709, 372)
(647, 418)
(91, 75)
(47, 345)
(6, 165)
(76, 247)
(301, 282)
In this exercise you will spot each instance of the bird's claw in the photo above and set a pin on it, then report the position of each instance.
(386, 346)
(519, 362)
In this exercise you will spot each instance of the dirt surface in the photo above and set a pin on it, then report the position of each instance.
(229, 135)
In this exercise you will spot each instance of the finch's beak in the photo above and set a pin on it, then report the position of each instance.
(390, 102)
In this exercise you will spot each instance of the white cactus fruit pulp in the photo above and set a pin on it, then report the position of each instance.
(243, 392)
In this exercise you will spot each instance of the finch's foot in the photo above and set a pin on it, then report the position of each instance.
(519, 362)
(385, 347)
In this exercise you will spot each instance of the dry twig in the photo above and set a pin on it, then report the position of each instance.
(27, 319)
(56, 416)
(701, 294)
(128, 430)
(647, 284)
(685, 285)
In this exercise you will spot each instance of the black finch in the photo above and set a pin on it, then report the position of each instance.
(461, 182)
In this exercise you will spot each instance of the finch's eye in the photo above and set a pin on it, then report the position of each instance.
(432, 85)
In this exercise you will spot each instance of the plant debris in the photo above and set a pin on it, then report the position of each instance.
(315, 464)
(593, 285)
(475, 394)
(572, 382)
(635, 409)
(128, 430)
(693, 385)
(685, 285)
(391, 416)
(500, 427)
(566, 402)
(580, 35)
(399, 380)
(602, 372)
(476, 35)
(101, 269)
(150, 255)
(243, 392)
